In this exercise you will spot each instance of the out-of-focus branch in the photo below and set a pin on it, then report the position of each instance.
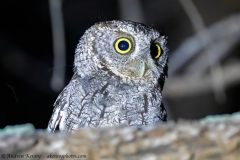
(131, 10)
(225, 35)
(216, 70)
(186, 86)
(57, 81)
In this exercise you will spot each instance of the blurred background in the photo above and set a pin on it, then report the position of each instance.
(38, 39)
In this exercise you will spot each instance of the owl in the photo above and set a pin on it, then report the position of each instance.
(119, 73)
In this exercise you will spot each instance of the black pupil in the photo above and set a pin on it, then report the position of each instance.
(123, 45)
(154, 50)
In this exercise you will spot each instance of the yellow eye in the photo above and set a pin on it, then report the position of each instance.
(123, 45)
(155, 50)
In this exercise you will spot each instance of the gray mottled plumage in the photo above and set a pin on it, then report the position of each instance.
(106, 88)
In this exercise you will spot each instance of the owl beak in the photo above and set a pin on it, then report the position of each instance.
(142, 68)
(137, 67)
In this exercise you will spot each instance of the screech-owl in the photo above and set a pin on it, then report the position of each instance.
(119, 73)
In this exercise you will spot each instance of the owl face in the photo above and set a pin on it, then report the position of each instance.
(129, 50)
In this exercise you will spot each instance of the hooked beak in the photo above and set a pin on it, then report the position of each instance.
(137, 67)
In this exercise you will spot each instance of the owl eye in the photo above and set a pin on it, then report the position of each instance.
(155, 50)
(123, 45)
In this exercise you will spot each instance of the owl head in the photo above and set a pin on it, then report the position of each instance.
(129, 50)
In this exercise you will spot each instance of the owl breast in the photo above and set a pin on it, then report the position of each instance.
(111, 101)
